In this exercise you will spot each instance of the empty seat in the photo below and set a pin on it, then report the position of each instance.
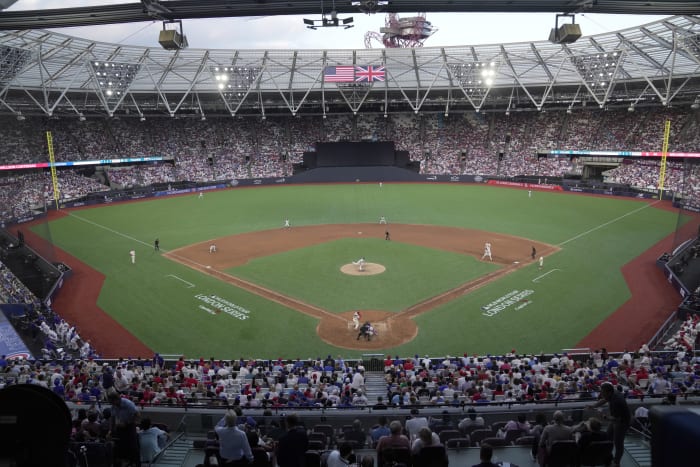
(477, 435)
(446, 435)
(494, 441)
(525, 441)
(458, 443)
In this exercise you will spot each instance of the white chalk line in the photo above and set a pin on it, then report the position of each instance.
(189, 284)
(545, 274)
(129, 237)
(606, 223)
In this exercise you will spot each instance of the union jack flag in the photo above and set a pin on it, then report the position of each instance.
(369, 73)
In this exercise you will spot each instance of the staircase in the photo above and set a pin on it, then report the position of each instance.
(375, 386)
(175, 454)
(639, 450)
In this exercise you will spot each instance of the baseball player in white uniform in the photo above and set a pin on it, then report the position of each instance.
(356, 320)
(212, 248)
(360, 263)
(132, 254)
(487, 251)
(382, 220)
(287, 225)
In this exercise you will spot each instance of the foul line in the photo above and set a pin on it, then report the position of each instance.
(190, 284)
(88, 221)
(548, 272)
(606, 223)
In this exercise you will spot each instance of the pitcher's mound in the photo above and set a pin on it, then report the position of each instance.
(370, 269)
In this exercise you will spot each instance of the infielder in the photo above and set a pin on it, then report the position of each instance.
(356, 320)
(287, 225)
(541, 262)
(487, 251)
(212, 248)
(382, 220)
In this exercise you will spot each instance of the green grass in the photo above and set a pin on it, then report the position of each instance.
(313, 274)
(597, 236)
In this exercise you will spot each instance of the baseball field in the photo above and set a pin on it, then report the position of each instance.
(271, 292)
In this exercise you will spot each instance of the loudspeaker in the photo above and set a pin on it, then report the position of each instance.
(170, 39)
(569, 33)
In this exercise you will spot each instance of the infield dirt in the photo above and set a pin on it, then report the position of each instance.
(394, 328)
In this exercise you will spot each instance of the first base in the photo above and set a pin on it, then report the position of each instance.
(359, 233)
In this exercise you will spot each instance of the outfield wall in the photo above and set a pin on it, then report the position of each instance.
(356, 174)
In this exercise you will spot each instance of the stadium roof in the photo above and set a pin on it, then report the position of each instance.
(49, 73)
(147, 10)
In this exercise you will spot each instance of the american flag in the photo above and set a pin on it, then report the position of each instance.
(339, 74)
(369, 73)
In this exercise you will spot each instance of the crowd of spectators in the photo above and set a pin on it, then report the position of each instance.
(57, 338)
(336, 383)
(225, 149)
(24, 192)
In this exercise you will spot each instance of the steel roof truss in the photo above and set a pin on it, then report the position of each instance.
(538, 57)
(193, 81)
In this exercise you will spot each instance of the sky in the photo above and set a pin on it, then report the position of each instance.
(288, 32)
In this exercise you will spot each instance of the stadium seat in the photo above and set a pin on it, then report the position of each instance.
(458, 443)
(596, 453)
(393, 457)
(447, 435)
(512, 435)
(562, 454)
(478, 435)
(431, 456)
(494, 441)
(525, 441)
(326, 430)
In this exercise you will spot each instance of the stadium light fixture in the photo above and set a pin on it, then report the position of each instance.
(566, 33)
(370, 6)
(171, 36)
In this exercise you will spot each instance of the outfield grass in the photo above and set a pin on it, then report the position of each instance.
(313, 274)
(596, 235)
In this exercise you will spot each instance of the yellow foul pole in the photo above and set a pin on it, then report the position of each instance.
(664, 153)
(52, 164)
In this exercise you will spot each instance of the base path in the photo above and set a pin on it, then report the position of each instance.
(393, 328)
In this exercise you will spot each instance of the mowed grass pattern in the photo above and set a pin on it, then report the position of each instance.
(597, 236)
(313, 274)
